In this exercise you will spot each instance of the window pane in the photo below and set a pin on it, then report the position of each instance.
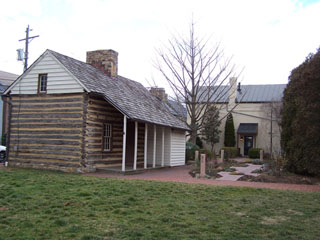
(107, 137)
(43, 83)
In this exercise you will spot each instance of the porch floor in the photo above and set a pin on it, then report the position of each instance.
(129, 169)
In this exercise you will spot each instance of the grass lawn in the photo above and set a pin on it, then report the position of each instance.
(51, 205)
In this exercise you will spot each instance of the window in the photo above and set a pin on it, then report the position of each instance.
(43, 79)
(107, 133)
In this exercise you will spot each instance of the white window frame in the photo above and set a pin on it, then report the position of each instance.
(107, 137)
(43, 81)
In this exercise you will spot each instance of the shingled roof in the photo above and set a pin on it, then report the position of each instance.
(128, 96)
(248, 93)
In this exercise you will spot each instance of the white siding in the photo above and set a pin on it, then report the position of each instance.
(167, 146)
(178, 148)
(59, 80)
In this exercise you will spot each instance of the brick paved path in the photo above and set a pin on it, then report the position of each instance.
(181, 174)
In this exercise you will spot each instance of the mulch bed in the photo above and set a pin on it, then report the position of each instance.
(292, 179)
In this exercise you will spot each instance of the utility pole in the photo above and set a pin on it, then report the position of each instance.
(28, 40)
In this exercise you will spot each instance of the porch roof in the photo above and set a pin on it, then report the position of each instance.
(248, 128)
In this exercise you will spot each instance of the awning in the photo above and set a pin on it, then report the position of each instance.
(248, 128)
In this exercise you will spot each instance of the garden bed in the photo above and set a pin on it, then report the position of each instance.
(285, 178)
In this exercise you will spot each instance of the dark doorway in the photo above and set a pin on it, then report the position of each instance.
(130, 144)
(248, 143)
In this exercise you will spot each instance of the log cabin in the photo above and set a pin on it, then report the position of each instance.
(77, 116)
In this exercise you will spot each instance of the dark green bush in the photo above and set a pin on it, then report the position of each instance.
(190, 150)
(300, 138)
(207, 152)
(254, 152)
(230, 152)
(229, 132)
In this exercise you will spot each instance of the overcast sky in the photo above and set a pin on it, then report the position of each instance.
(268, 38)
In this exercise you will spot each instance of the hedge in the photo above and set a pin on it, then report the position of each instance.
(254, 152)
(230, 152)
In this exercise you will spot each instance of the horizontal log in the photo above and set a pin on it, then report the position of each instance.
(46, 132)
(76, 154)
(101, 110)
(39, 126)
(34, 157)
(48, 106)
(48, 115)
(98, 146)
(53, 148)
(91, 123)
(94, 140)
(114, 135)
(105, 120)
(42, 120)
(46, 96)
(21, 136)
(104, 157)
(60, 110)
(96, 103)
(99, 151)
(45, 163)
(77, 99)
(103, 162)
(46, 142)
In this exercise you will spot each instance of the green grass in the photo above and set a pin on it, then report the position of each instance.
(49, 205)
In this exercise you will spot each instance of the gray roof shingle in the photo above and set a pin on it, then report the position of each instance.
(248, 93)
(6, 79)
(129, 96)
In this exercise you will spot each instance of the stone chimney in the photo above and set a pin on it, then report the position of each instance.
(159, 93)
(105, 60)
(232, 91)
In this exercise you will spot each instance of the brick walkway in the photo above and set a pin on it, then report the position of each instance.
(181, 174)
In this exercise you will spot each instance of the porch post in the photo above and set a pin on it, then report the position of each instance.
(135, 146)
(154, 145)
(124, 143)
(162, 154)
(145, 144)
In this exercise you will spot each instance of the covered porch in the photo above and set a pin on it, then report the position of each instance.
(144, 146)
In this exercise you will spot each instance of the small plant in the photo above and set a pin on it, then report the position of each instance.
(230, 152)
(190, 150)
(254, 152)
(230, 169)
(257, 161)
(257, 171)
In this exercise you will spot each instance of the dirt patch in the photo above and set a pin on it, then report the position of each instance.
(273, 220)
(291, 179)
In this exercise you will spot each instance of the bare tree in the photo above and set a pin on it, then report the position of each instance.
(197, 73)
(272, 111)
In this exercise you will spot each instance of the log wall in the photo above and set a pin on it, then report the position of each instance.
(46, 131)
(65, 132)
(99, 112)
